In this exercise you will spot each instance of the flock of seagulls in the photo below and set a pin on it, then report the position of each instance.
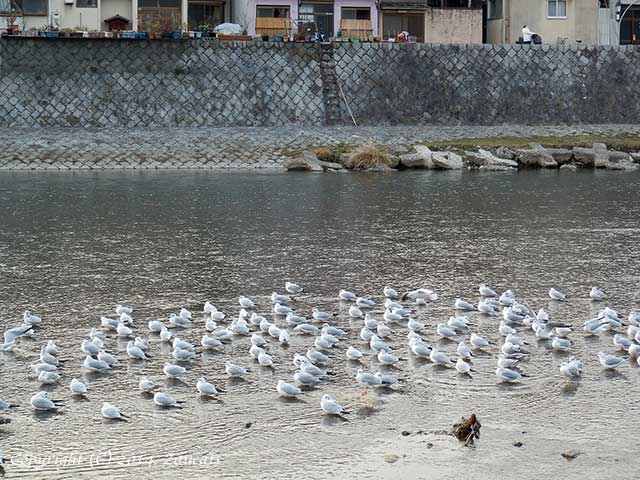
(312, 366)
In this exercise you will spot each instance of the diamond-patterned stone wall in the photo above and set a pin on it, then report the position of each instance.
(118, 83)
(98, 83)
(490, 84)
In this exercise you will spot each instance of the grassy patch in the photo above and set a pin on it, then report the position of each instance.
(627, 143)
(365, 157)
(331, 153)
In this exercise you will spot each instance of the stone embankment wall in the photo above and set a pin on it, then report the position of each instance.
(113, 83)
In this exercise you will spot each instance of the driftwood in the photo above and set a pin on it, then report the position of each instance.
(467, 429)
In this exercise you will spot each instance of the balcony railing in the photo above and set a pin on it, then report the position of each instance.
(273, 26)
(356, 28)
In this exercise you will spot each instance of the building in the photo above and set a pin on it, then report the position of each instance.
(556, 21)
(440, 21)
(91, 14)
(626, 24)
(433, 21)
(443, 21)
(353, 18)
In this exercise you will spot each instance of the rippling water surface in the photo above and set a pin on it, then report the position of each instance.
(74, 244)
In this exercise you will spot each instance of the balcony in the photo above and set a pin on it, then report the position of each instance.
(356, 28)
(273, 26)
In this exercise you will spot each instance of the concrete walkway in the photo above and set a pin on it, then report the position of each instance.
(237, 148)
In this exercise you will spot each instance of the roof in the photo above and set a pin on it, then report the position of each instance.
(115, 18)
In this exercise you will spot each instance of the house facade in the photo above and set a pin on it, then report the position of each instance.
(352, 18)
(438, 21)
(433, 21)
(556, 21)
(93, 15)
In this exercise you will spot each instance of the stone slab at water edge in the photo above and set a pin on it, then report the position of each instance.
(536, 157)
(272, 148)
(145, 84)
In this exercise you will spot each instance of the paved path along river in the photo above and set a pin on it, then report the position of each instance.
(229, 148)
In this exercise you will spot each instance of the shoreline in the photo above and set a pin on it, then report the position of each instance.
(273, 148)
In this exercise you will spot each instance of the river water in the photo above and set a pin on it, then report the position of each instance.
(72, 245)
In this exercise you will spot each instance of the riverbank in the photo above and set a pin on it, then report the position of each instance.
(273, 147)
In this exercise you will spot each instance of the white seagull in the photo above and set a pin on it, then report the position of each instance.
(486, 291)
(41, 401)
(293, 287)
(111, 412)
(163, 399)
(555, 294)
(287, 390)
(330, 406)
(610, 362)
(389, 292)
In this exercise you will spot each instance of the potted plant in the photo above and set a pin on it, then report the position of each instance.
(155, 30)
(176, 32)
(77, 32)
(50, 31)
(12, 27)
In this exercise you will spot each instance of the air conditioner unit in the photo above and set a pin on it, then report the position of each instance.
(68, 2)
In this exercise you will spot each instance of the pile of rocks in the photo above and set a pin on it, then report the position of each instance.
(598, 156)
(309, 162)
(502, 159)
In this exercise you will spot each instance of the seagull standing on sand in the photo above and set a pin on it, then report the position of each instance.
(173, 371)
(245, 302)
(29, 318)
(146, 385)
(293, 288)
(440, 358)
(463, 367)
(610, 362)
(597, 294)
(555, 294)
(347, 296)
(389, 292)
(571, 369)
(163, 399)
(111, 412)
(486, 291)
(478, 342)
(205, 388)
(508, 375)
(460, 304)
(235, 371)
(41, 401)
(330, 406)
(287, 390)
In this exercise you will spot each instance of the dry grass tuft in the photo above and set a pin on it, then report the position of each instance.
(367, 157)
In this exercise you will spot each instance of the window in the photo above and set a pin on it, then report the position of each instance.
(352, 13)
(24, 7)
(273, 20)
(495, 9)
(316, 17)
(165, 12)
(557, 8)
(87, 3)
(394, 23)
(202, 13)
(272, 12)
